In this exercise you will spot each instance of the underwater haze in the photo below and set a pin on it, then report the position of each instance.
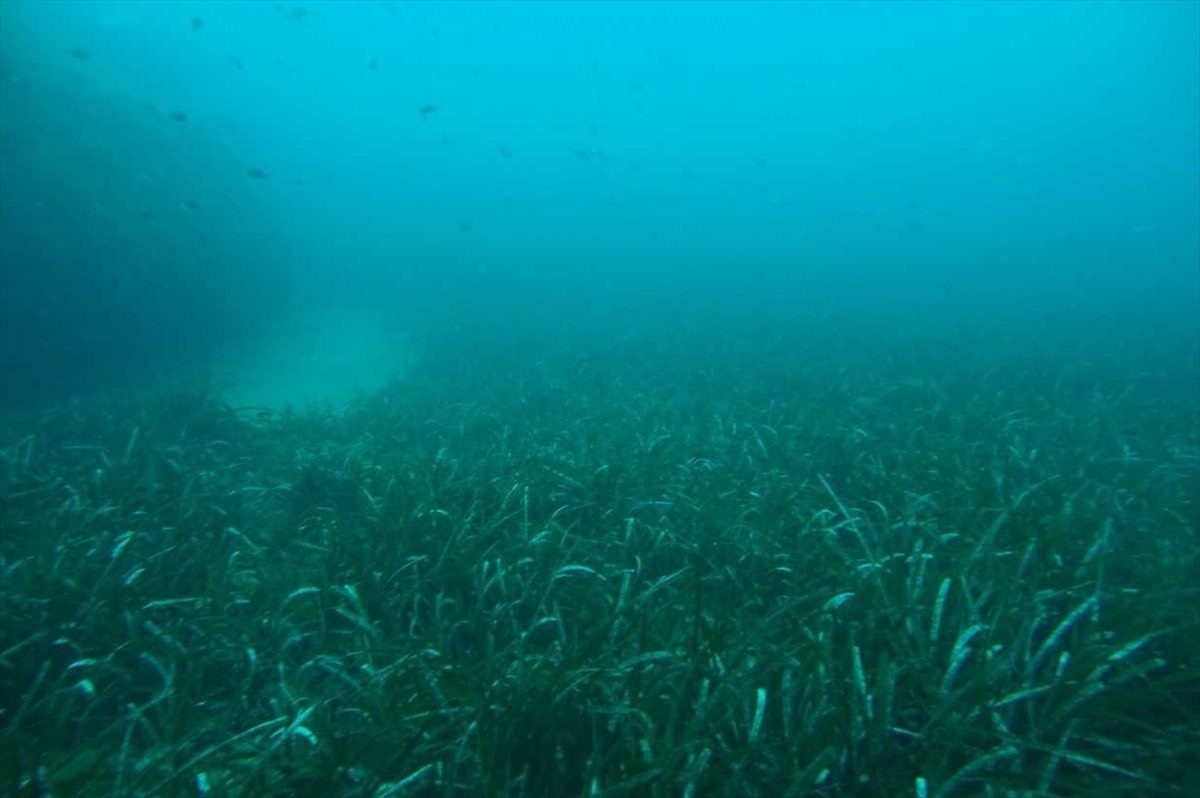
(1029, 168)
(641, 399)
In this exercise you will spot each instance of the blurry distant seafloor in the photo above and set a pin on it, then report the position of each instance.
(328, 359)
(724, 561)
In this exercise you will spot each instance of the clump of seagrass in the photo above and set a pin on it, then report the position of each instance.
(774, 570)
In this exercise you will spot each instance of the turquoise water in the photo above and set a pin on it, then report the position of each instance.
(599, 399)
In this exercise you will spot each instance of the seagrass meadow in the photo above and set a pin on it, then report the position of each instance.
(800, 563)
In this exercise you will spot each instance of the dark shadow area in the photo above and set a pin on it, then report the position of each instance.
(126, 249)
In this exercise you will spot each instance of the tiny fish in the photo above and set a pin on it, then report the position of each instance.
(427, 109)
(372, 65)
(256, 173)
(178, 116)
(80, 53)
(197, 23)
(237, 62)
